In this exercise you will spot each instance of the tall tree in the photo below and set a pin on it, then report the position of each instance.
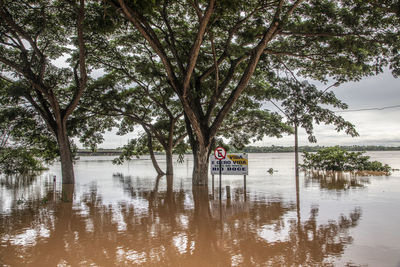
(143, 102)
(25, 142)
(141, 95)
(304, 105)
(210, 49)
(35, 39)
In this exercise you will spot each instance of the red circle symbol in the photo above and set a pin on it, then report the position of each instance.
(220, 153)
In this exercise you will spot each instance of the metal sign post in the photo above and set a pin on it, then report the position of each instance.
(232, 164)
(220, 174)
(220, 154)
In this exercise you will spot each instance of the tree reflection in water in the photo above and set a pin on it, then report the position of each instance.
(335, 180)
(169, 227)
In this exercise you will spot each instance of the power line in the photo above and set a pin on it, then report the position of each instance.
(366, 109)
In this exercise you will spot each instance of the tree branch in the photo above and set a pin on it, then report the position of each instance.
(228, 41)
(251, 66)
(172, 44)
(223, 86)
(138, 22)
(46, 114)
(194, 51)
(82, 61)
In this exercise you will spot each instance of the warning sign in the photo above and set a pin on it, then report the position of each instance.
(233, 164)
(220, 153)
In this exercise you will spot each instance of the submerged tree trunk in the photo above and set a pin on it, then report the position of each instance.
(155, 163)
(201, 152)
(151, 152)
(67, 166)
(170, 184)
(169, 161)
(200, 166)
(34, 64)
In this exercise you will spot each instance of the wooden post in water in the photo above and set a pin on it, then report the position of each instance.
(296, 152)
(245, 187)
(54, 188)
(228, 192)
(212, 184)
(296, 157)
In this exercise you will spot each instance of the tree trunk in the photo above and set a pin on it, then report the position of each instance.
(151, 152)
(155, 163)
(200, 166)
(170, 183)
(202, 212)
(201, 152)
(67, 166)
(170, 166)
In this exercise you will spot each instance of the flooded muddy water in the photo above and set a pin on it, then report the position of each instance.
(126, 215)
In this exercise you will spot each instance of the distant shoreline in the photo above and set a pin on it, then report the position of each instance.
(250, 149)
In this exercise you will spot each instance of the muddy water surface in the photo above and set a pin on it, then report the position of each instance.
(126, 215)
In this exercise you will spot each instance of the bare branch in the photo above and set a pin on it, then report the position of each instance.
(82, 61)
(215, 63)
(179, 139)
(139, 22)
(251, 66)
(283, 53)
(324, 34)
(224, 85)
(10, 21)
(45, 113)
(13, 65)
(292, 9)
(225, 53)
(196, 7)
(172, 37)
(194, 51)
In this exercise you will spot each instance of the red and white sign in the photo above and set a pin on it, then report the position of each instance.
(220, 153)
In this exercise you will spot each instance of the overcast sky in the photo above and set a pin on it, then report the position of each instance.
(376, 127)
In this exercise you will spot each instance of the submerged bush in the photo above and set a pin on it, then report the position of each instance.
(19, 161)
(337, 159)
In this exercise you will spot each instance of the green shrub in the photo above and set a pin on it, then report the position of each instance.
(337, 159)
(18, 161)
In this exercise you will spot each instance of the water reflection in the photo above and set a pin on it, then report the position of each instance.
(11, 182)
(335, 180)
(169, 227)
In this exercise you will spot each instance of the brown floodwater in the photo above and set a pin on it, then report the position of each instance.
(126, 215)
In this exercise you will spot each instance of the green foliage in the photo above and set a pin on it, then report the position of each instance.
(304, 105)
(337, 159)
(133, 93)
(25, 142)
(19, 161)
(135, 148)
(320, 40)
(248, 122)
(42, 49)
(180, 150)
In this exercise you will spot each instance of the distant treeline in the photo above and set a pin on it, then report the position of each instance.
(278, 149)
(254, 149)
(99, 152)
